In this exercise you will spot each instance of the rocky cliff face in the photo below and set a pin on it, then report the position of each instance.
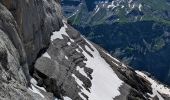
(44, 58)
(36, 20)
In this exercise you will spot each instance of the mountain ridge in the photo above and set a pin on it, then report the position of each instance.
(110, 11)
(62, 64)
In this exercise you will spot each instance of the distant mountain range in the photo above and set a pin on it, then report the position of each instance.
(95, 12)
(135, 31)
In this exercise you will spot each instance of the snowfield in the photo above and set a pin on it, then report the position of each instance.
(105, 83)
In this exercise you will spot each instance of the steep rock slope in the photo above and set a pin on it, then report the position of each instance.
(86, 71)
(65, 65)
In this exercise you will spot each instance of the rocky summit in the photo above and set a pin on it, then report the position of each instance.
(42, 57)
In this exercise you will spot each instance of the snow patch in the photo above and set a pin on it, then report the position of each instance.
(34, 82)
(58, 34)
(67, 98)
(81, 70)
(122, 6)
(69, 43)
(46, 55)
(140, 7)
(35, 90)
(78, 50)
(88, 49)
(115, 63)
(123, 65)
(80, 83)
(96, 10)
(156, 87)
(74, 12)
(34, 87)
(112, 5)
(66, 57)
(81, 96)
(133, 6)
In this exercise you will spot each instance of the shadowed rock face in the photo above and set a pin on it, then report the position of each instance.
(31, 34)
(36, 20)
(22, 34)
(14, 73)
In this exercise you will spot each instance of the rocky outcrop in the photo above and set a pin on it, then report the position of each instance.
(13, 65)
(61, 64)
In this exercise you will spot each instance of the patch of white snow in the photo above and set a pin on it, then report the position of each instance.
(80, 83)
(69, 43)
(97, 10)
(66, 57)
(140, 7)
(156, 87)
(34, 83)
(35, 90)
(81, 70)
(58, 34)
(115, 63)
(46, 55)
(67, 98)
(105, 83)
(112, 5)
(78, 50)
